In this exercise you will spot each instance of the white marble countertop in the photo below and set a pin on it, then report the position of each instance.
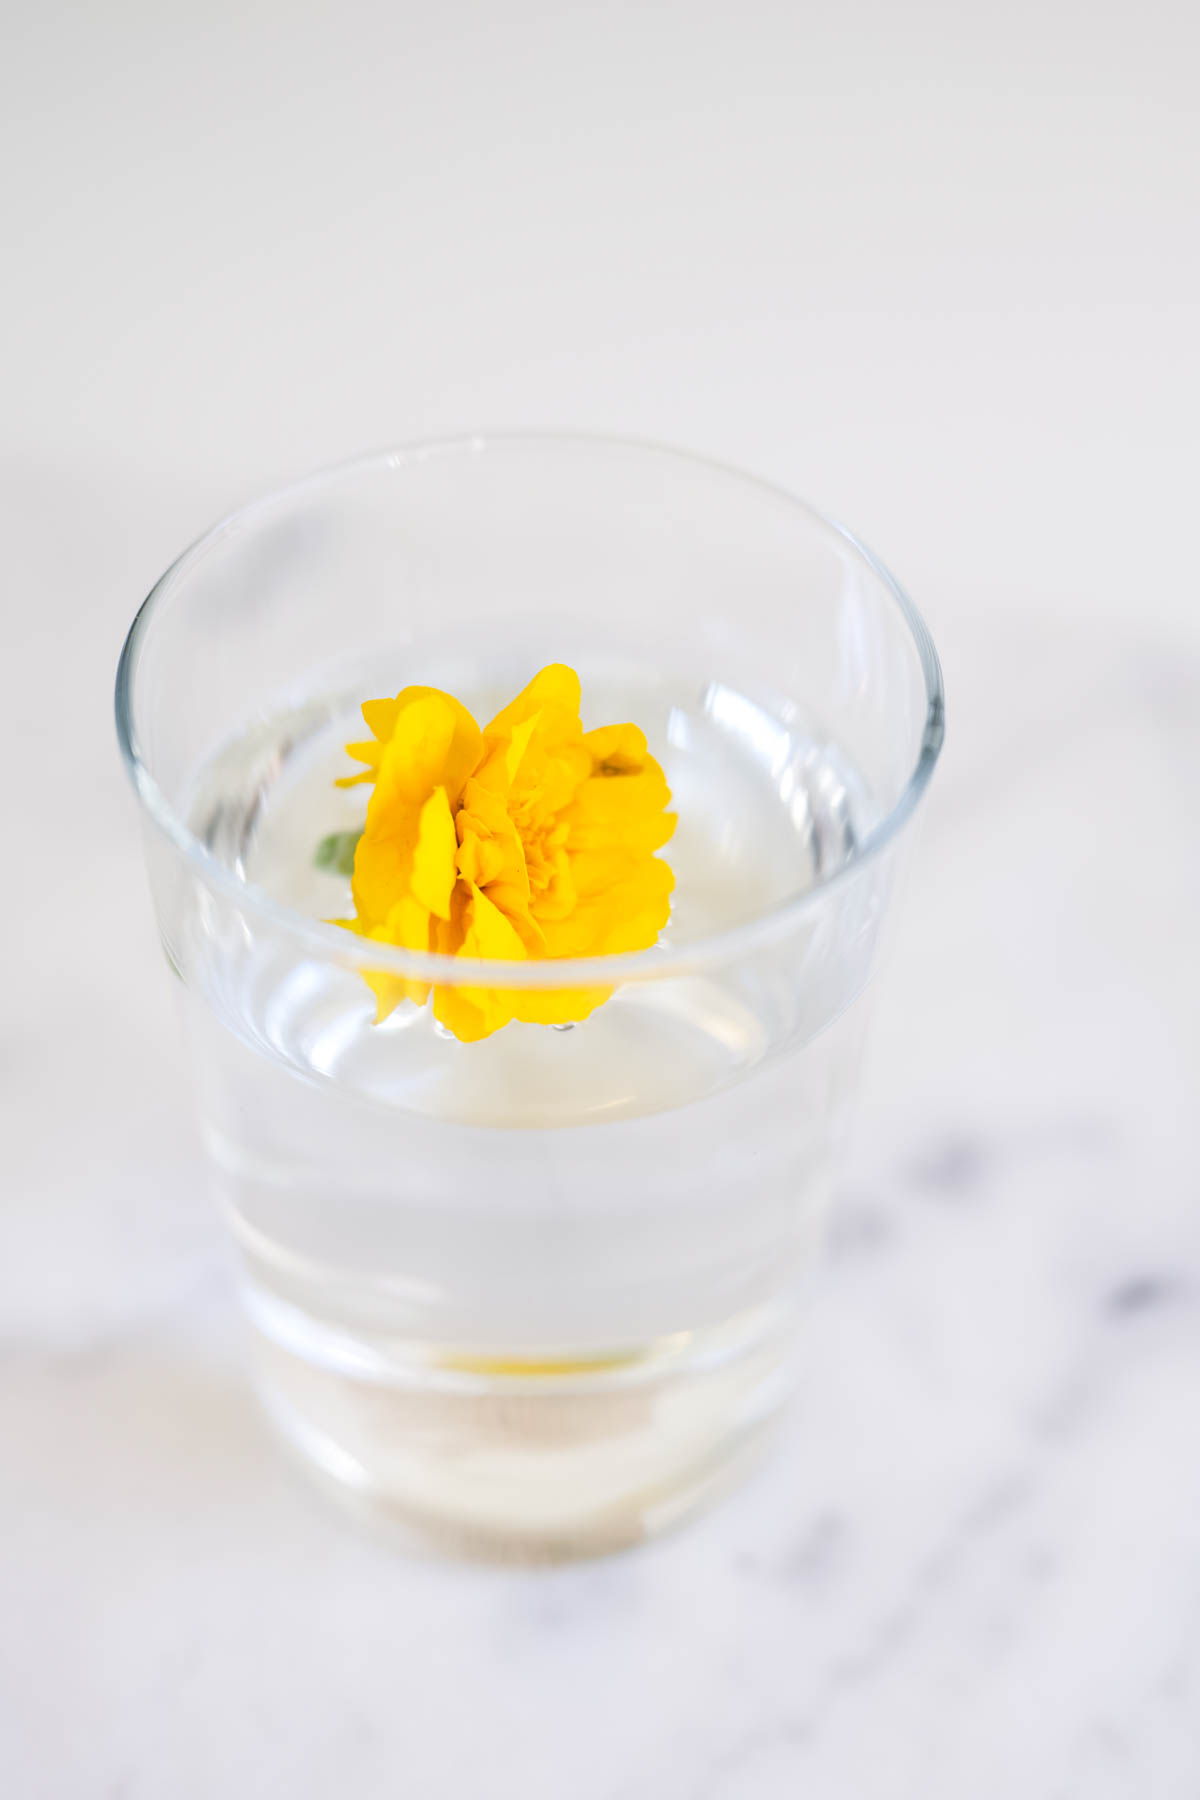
(943, 279)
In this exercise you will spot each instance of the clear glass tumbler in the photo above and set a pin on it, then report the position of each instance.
(530, 1295)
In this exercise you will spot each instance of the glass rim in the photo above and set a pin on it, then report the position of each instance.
(660, 960)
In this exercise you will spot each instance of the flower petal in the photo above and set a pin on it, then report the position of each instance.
(617, 749)
(474, 1012)
(556, 685)
(434, 743)
(433, 864)
(627, 916)
(379, 716)
(557, 1006)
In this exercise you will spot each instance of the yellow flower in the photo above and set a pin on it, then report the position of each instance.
(530, 839)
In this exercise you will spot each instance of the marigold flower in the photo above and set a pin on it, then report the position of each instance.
(530, 839)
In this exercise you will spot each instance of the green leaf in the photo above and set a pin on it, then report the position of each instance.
(336, 852)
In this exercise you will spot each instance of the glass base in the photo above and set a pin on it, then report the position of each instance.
(529, 1458)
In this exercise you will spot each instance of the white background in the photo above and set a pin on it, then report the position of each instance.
(937, 267)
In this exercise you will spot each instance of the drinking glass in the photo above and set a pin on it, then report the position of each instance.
(532, 1295)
